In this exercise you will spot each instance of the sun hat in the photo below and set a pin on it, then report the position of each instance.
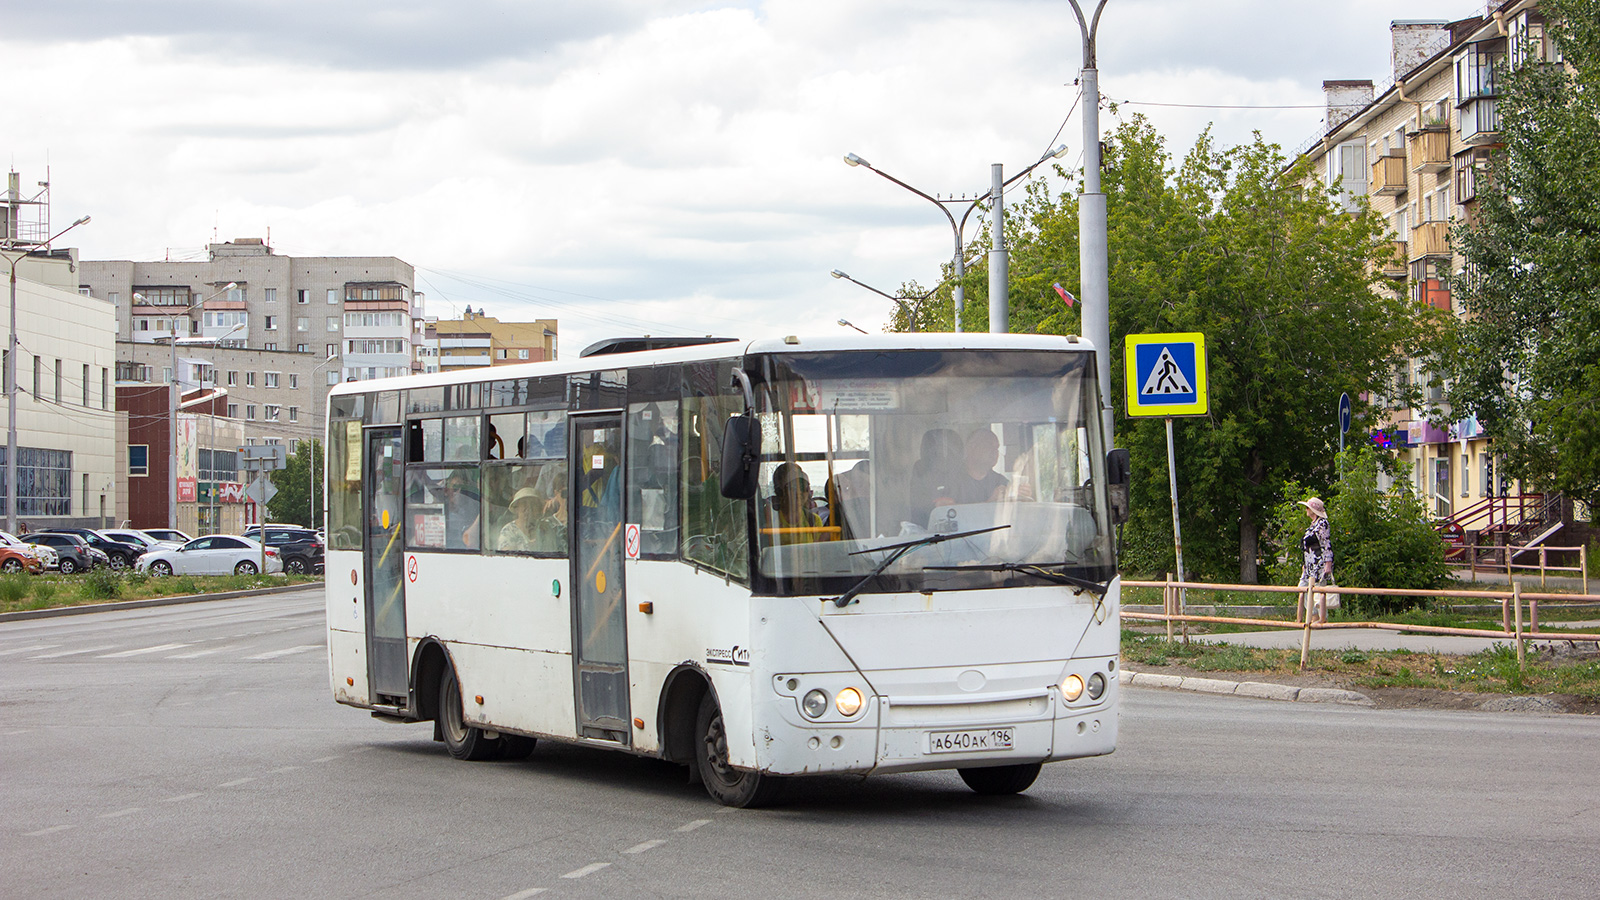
(1316, 507)
(526, 493)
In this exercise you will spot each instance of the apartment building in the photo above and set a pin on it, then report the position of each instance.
(476, 340)
(295, 312)
(1415, 146)
(209, 477)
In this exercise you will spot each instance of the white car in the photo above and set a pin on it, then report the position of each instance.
(217, 554)
(168, 535)
(139, 539)
(45, 554)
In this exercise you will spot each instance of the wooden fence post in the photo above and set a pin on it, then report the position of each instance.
(1516, 601)
(1166, 604)
(1541, 565)
(1583, 563)
(1305, 638)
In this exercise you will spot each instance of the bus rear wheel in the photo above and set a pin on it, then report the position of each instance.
(999, 780)
(725, 784)
(462, 740)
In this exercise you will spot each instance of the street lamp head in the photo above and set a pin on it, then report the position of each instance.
(854, 160)
(838, 274)
(230, 285)
(82, 221)
(1059, 151)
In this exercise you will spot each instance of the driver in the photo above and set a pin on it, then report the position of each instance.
(978, 481)
(790, 507)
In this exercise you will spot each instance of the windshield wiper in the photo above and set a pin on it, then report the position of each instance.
(1037, 570)
(899, 551)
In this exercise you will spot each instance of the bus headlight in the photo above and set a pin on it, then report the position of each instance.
(1072, 687)
(815, 703)
(848, 702)
(1097, 686)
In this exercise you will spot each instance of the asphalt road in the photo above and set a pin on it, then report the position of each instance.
(193, 751)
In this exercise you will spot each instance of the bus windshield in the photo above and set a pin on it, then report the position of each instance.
(870, 449)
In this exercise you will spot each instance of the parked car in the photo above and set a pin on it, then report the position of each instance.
(139, 538)
(300, 548)
(217, 554)
(73, 553)
(119, 554)
(16, 559)
(47, 556)
(168, 534)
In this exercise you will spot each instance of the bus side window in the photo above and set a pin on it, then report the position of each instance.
(525, 508)
(653, 476)
(715, 529)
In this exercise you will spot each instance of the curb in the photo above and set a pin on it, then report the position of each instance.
(86, 608)
(1257, 689)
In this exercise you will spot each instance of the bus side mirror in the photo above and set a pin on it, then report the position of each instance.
(741, 450)
(1119, 471)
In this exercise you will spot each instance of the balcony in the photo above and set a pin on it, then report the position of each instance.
(1395, 266)
(1480, 121)
(1389, 176)
(1430, 239)
(1430, 150)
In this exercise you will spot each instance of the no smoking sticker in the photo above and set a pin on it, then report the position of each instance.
(630, 541)
(411, 569)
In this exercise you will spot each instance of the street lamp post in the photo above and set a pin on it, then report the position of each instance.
(910, 310)
(173, 390)
(311, 448)
(13, 257)
(959, 291)
(1094, 271)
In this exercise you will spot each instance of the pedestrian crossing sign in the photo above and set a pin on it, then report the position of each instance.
(1166, 374)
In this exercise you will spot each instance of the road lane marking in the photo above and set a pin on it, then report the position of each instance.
(274, 654)
(182, 797)
(325, 759)
(18, 731)
(141, 651)
(282, 769)
(238, 781)
(523, 895)
(73, 652)
(647, 845)
(359, 750)
(199, 653)
(121, 812)
(590, 869)
(27, 649)
(727, 809)
(51, 830)
(693, 825)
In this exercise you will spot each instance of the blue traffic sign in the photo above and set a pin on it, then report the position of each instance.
(1166, 374)
(1344, 413)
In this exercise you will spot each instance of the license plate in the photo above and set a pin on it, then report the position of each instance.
(969, 741)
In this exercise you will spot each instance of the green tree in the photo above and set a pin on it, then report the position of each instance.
(292, 503)
(1243, 247)
(1379, 539)
(1528, 360)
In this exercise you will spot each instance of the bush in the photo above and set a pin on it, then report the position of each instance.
(44, 590)
(102, 584)
(13, 588)
(1379, 540)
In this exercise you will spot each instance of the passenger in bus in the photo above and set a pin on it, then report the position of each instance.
(849, 501)
(461, 504)
(789, 511)
(935, 475)
(494, 445)
(530, 529)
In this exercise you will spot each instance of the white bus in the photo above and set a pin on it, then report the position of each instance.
(862, 554)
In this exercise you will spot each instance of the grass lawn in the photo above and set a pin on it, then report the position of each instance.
(28, 592)
(1491, 671)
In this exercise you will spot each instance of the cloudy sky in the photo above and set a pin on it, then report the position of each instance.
(625, 166)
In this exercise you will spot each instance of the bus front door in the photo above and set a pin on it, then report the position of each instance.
(599, 622)
(385, 559)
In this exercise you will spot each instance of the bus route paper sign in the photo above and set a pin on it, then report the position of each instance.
(1166, 374)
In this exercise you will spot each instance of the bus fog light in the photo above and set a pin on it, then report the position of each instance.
(1072, 687)
(815, 703)
(848, 702)
(1097, 686)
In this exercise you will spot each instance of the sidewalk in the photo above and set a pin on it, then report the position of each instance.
(114, 605)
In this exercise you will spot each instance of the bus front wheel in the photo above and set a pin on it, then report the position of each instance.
(462, 740)
(1000, 780)
(725, 784)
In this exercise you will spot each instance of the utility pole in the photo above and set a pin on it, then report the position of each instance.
(999, 258)
(1093, 269)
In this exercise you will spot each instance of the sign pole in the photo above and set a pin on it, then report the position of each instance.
(1177, 533)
